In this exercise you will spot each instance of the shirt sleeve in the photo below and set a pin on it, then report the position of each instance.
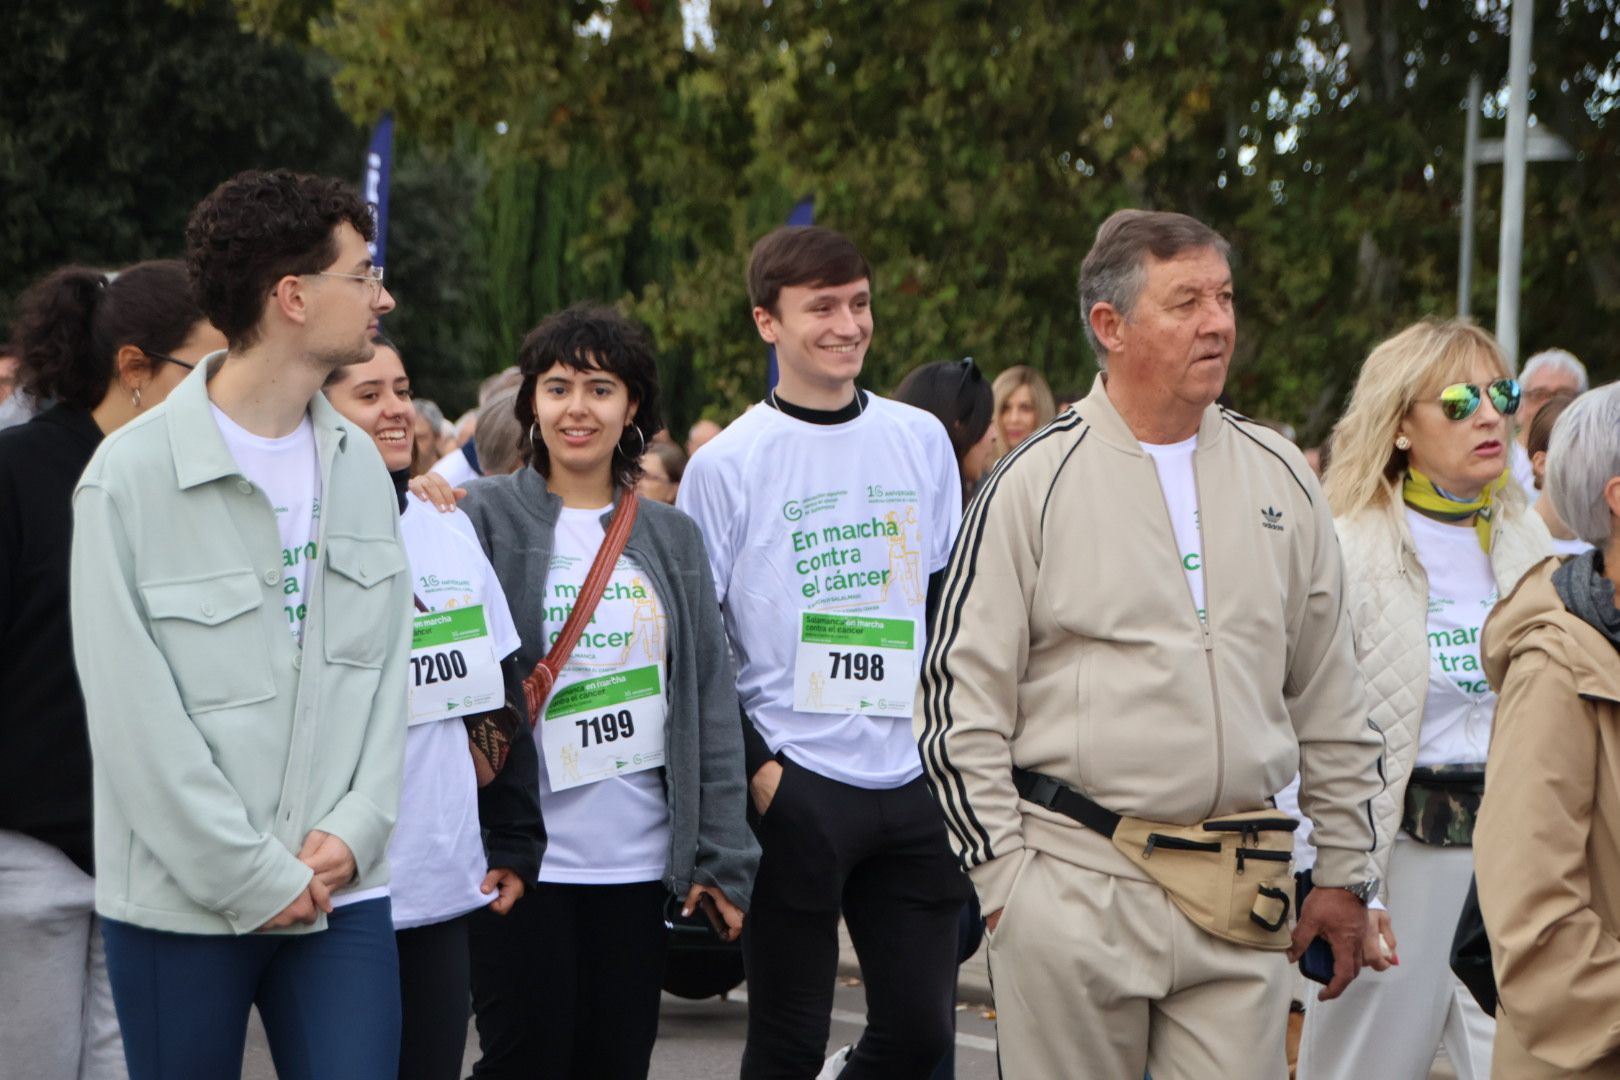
(947, 499)
(707, 496)
(1341, 751)
(966, 708)
(364, 817)
(166, 785)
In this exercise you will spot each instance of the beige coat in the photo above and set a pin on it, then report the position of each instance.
(1547, 845)
(1067, 643)
(1388, 595)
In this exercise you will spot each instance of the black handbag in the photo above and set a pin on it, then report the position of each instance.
(1471, 953)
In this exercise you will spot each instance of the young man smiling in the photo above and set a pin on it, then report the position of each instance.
(825, 511)
(241, 616)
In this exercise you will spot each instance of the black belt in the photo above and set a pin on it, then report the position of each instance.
(1056, 795)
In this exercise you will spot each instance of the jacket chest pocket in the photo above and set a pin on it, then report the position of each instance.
(211, 632)
(358, 617)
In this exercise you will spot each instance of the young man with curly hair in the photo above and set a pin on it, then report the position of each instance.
(236, 567)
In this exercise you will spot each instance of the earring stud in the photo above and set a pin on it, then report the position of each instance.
(1402, 443)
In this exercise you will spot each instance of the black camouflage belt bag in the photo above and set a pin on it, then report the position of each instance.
(1442, 803)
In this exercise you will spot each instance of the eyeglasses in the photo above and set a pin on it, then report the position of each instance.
(1459, 401)
(164, 358)
(373, 275)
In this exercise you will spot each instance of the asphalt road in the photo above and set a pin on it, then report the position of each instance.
(703, 1040)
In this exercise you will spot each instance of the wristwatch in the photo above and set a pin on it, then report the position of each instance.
(1363, 890)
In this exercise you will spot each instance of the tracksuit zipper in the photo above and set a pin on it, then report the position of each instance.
(1209, 647)
(1203, 621)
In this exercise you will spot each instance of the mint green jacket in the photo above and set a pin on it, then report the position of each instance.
(219, 742)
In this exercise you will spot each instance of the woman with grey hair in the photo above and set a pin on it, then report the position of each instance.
(1547, 847)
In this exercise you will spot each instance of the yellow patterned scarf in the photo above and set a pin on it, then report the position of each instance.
(1425, 495)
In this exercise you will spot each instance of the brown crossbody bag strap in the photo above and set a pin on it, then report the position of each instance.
(537, 685)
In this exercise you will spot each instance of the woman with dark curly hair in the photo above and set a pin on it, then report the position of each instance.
(95, 351)
(641, 781)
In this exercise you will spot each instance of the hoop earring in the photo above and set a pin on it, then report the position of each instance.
(637, 455)
(1402, 443)
(534, 439)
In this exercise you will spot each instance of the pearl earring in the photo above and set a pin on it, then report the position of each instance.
(1402, 443)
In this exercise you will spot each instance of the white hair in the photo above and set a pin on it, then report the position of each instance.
(1556, 360)
(1583, 456)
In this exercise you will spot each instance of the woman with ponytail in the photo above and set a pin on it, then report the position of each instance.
(1434, 530)
(95, 351)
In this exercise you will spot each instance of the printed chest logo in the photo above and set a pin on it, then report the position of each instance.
(1271, 518)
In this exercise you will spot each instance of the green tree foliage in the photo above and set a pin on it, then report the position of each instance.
(116, 118)
(973, 146)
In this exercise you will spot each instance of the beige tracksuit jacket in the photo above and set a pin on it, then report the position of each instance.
(1066, 642)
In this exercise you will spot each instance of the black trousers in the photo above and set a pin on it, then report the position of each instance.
(567, 984)
(434, 989)
(882, 858)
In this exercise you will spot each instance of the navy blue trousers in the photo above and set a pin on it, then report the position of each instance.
(329, 1000)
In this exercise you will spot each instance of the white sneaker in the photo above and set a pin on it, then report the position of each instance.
(835, 1064)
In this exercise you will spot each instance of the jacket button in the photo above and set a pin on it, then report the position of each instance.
(272, 577)
(208, 611)
(244, 487)
(363, 573)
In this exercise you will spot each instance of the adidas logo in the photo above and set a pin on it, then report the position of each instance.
(1271, 519)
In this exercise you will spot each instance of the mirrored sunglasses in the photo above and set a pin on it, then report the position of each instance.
(1459, 401)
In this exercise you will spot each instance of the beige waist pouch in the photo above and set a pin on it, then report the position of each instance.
(1231, 875)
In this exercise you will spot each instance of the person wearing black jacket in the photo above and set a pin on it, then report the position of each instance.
(96, 351)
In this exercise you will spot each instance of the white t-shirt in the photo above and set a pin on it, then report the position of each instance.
(455, 468)
(436, 854)
(1523, 471)
(1456, 726)
(1576, 546)
(1174, 462)
(613, 831)
(835, 518)
(288, 470)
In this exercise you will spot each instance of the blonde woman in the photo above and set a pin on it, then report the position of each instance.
(1433, 531)
(1023, 405)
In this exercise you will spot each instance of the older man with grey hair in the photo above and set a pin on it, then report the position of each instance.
(1546, 375)
(1141, 635)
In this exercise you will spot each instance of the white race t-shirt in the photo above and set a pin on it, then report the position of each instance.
(829, 519)
(1174, 461)
(612, 831)
(288, 470)
(436, 854)
(1456, 725)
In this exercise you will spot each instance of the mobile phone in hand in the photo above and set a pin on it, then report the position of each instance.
(1316, 963)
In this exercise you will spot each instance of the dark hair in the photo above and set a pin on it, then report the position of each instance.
(801, 255)
(954, 391)
(592, 337)
(1114, 268)
(71, 324)
(255, 229)
(1539, 437)
(671, 456)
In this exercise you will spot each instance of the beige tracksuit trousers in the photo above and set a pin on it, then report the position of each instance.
(1098, 977)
